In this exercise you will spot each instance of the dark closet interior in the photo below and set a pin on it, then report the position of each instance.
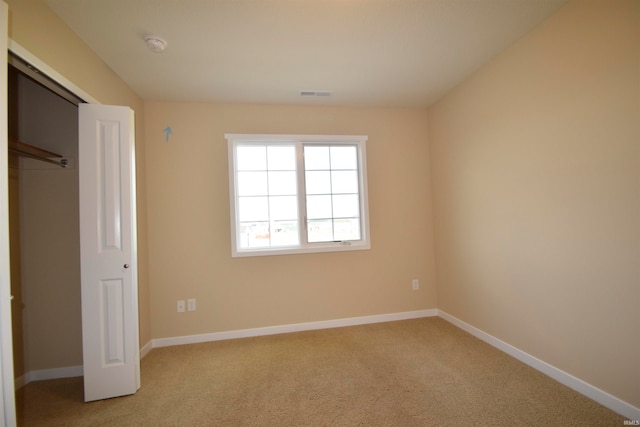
(44, 227)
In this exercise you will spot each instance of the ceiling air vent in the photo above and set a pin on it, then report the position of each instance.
(315, 93)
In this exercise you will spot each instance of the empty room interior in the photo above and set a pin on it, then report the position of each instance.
(492, 158)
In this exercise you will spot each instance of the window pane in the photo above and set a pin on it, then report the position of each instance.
(344, 158)
(252, 183)
(284, 233)
(283, 207)
(346, 206)
(267, 195)
(281, 158)
(316, 158)
(251, 158)
(332, 187)
(318, 182)
(282, 183)
(318, 207)
(344, 182)
(253, 209)
(254, 235)
(346, 229)
(320, 231)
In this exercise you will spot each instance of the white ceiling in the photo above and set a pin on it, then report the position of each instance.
(393, 53)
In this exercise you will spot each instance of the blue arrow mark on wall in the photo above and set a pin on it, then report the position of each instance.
(168, 132)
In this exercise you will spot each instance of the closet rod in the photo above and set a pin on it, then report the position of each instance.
(27, 150)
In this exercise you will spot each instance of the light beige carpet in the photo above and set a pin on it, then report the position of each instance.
(422, 372)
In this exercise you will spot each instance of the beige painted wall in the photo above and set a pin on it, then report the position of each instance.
(36, 28)
(536, 180)
(189, 237)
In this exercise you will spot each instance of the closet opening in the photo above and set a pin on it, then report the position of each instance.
(44, 226)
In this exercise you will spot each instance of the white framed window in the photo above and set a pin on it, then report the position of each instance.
(297, 194)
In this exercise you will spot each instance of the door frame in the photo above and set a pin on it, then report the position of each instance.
(7, 383)
(48, 71)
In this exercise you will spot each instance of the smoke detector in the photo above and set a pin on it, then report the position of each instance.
(156, 44)
(315, 93)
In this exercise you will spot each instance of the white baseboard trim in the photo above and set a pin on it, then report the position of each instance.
(71, 371)
(19, 382)
(297, 327)
(48, 374)
(602, 397)
(146, 349)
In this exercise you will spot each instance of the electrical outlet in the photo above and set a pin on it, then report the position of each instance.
(415, 284)
(191, 304)
(181, 306)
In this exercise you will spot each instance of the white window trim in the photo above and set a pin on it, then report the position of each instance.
(363, 244)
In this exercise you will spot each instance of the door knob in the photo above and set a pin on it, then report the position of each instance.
(126, 266)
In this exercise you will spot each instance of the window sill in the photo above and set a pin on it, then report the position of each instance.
(357, 246)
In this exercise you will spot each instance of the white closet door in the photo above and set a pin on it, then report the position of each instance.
(106, 166)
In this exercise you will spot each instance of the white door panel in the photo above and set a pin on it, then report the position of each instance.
(108, 252)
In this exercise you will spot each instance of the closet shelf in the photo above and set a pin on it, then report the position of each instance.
(33, 152)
